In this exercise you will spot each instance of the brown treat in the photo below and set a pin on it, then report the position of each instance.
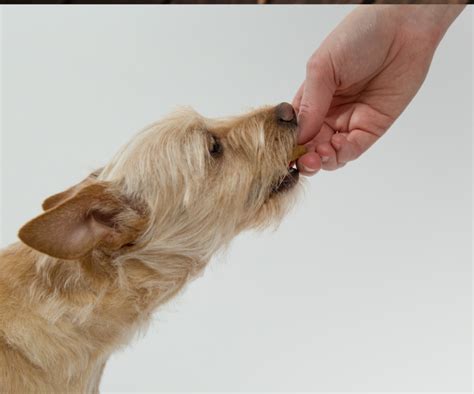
(298, 151)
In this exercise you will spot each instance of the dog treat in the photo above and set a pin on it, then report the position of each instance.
(298, 151)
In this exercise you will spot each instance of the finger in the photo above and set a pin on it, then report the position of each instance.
(317, 95)
(297, 99)
(324, 135)
(349, 146)
(345, 151)
(322, 145)
(328, 156)
(309, 164)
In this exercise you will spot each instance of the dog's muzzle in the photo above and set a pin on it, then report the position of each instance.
(287, 182)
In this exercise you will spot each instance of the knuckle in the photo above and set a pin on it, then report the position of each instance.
(310, 65)
(305, 108)
(313, 65)
(317, 65)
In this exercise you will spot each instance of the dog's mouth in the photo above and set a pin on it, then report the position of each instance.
(287, 181)
(290, 179)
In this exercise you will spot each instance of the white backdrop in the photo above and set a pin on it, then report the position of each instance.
(366, 286)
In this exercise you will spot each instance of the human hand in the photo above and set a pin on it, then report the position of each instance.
(362, 77)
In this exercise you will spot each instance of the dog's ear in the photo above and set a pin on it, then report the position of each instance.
(94, 217)
(58, 198)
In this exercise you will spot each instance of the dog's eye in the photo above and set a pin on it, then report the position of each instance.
(215, 148)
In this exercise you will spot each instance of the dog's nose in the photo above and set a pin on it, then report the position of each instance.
(286, 113)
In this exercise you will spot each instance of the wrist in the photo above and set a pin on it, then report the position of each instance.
(431, 21)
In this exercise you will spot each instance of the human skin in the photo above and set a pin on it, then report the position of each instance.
(363, 76)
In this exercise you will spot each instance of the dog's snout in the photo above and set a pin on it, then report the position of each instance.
(285, 113)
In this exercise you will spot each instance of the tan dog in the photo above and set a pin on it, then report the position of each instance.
(107, 252)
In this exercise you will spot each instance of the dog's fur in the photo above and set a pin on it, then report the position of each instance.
(107, 252)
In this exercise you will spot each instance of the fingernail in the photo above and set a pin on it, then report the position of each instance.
(324, 159)
(336, 145)
(308, 169)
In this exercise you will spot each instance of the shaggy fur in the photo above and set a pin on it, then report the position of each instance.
(107, 252)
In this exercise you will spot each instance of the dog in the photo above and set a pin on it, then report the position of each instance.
(105, 253)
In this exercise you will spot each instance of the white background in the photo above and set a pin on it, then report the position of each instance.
(366, 286)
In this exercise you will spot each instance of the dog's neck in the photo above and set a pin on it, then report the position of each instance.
(64, 316)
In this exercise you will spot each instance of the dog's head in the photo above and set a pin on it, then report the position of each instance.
(186, 184)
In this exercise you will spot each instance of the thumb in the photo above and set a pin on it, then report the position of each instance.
(318, 90)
